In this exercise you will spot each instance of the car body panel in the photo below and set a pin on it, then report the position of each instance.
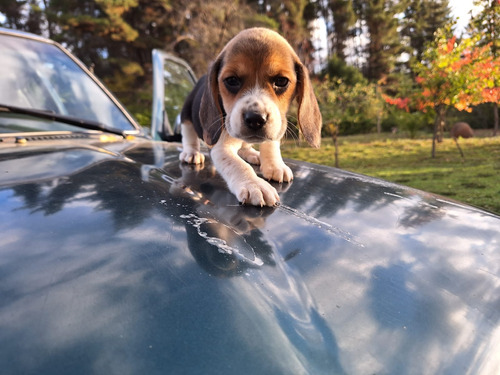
(117, 258)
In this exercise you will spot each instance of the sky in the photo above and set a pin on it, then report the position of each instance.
(460, 9)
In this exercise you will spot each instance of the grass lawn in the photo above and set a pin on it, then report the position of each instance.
(474, 180)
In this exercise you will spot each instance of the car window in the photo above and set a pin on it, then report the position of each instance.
(178, 84)
(39, 75)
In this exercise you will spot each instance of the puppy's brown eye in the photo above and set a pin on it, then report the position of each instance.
(280, 84)
(233, 84)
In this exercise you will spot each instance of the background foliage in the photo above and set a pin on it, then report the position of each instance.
(372, 53)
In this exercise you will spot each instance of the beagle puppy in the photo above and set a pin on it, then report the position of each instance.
(243, 100)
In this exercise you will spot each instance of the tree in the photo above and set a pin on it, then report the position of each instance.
(204, 27)
(348, 108)
(352, 109)
(487, 25)
(422, 19)
(456, 73)
(13, 13)
(336, 68)
(384, 46)
(343, 19)
(287, 14)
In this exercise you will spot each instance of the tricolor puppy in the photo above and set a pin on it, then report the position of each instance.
(243, 100)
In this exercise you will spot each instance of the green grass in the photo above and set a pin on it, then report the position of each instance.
(474, 180)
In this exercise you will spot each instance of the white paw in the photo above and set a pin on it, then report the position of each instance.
(277, 172)
(257, 193)
(192, 157)
(250, 155)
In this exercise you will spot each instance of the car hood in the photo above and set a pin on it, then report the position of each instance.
(116, 258)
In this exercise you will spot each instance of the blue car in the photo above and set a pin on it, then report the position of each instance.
(115, 258)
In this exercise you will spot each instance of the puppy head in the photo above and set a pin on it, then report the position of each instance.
(251, 85)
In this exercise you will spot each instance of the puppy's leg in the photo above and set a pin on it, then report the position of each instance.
(249, 154)
(239, 175)
(271, 163)
(190, 145)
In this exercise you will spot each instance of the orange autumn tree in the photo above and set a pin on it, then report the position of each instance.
(453, 73)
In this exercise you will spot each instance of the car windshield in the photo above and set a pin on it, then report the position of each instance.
(40, 76)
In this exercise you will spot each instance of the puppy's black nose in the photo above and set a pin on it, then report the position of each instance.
(254, 120)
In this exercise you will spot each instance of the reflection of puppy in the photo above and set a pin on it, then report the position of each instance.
(223, 237)
(243, 100)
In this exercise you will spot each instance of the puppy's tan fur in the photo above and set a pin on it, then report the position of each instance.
(244, 100)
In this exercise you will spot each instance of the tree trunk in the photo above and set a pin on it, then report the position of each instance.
(335, 143)
(434, 137)
(440, 132)
(495, 117)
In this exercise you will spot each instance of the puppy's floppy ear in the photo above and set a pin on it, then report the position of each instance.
(309, 114)
(211, 109)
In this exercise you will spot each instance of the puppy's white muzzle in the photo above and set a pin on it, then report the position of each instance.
(255, 118)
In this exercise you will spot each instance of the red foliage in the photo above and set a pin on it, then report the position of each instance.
(460, 75)
(451, 44)
(401, 103)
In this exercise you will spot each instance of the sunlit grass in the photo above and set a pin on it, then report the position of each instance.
(474, 180)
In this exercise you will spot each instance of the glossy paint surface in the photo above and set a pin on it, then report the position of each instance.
(117, 259)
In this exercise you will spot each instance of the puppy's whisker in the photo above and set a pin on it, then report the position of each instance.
(292, 132)
(292, 136)
(218, 121)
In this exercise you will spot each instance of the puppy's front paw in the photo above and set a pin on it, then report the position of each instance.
(257, 193)
(277, 172)
(192, 157)
(250, 155)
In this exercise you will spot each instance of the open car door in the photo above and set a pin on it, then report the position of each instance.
(173, 80)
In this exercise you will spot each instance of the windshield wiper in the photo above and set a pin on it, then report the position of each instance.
(86, 124)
